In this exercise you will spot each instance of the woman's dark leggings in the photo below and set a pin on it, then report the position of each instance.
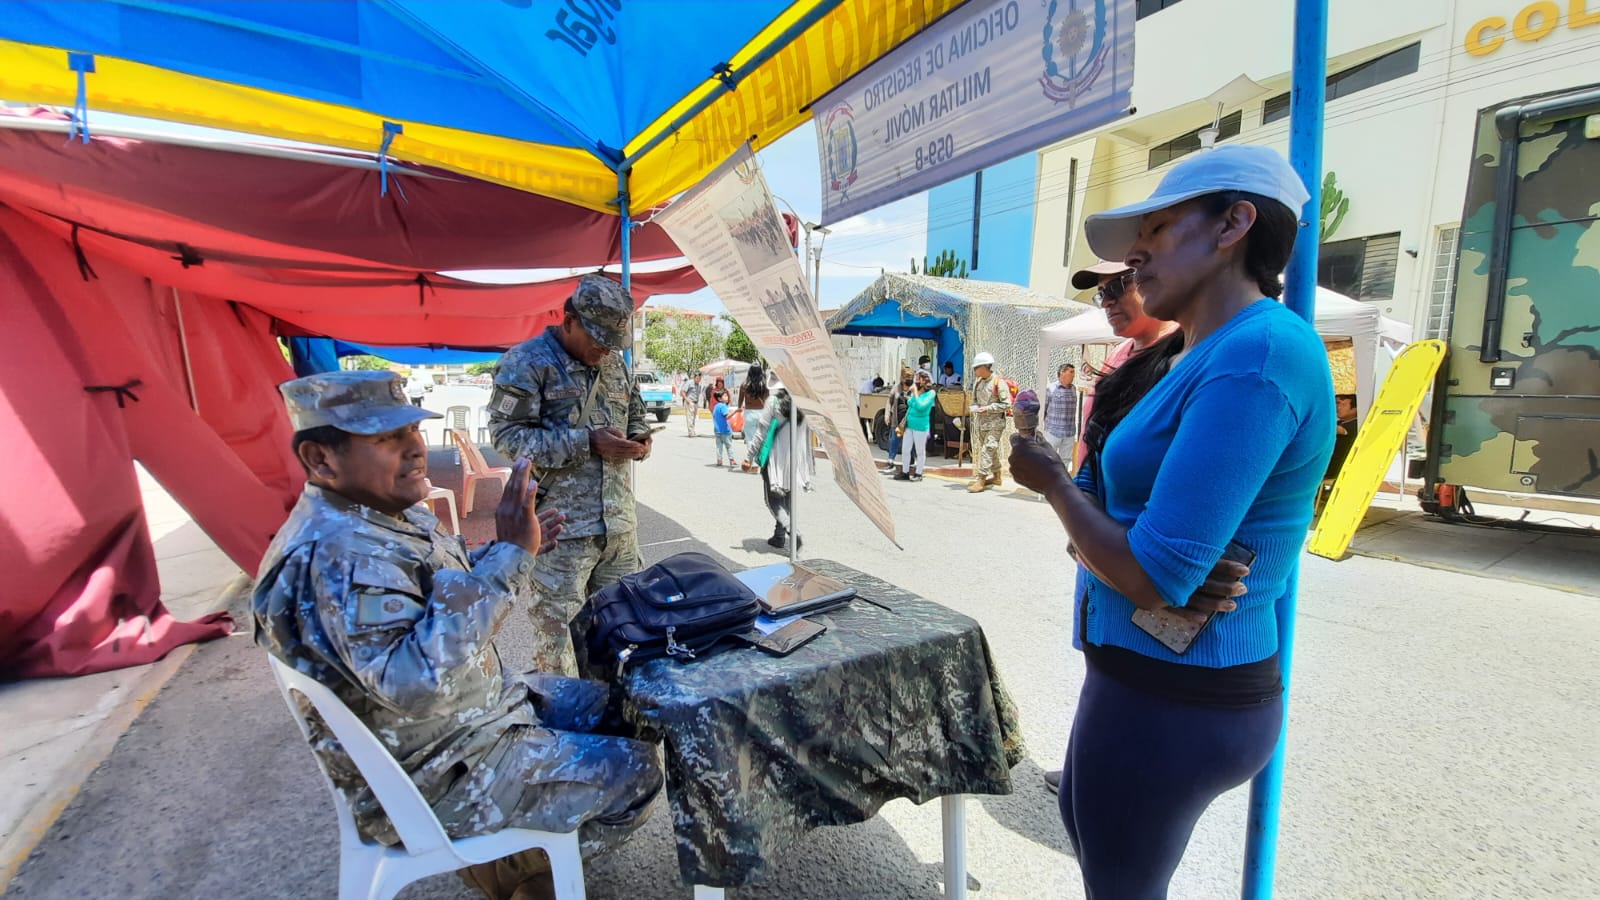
(1140, 770)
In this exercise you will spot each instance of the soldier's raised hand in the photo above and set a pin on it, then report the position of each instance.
(515, 520)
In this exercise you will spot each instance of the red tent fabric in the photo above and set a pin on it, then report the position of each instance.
(124, 266)
(429, 220)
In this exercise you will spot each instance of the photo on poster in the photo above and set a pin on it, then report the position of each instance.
(757, 233)
(789, 308)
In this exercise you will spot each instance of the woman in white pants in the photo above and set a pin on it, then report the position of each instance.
(918, 422)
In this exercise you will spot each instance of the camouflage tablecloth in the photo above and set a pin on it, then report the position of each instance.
(888, 703)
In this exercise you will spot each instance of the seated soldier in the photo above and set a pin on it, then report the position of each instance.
(363, 591)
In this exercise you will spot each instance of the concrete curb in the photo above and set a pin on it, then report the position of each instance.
(68, 779)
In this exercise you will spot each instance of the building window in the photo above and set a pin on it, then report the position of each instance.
(1373, 72)
(1442, 286)
(1363, 268)
(1144, 8)
(1185, 144)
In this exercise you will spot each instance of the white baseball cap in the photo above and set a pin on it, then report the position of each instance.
(1233, 167)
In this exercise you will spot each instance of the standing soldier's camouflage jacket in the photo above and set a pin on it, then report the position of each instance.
(991, 397)
(536, 413)
(395, 617)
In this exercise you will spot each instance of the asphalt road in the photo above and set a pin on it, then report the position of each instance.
(1441, 741)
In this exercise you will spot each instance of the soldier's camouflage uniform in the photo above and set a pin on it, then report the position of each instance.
(393, 615)
(1541, 432)
(540, 392)
(991, 397)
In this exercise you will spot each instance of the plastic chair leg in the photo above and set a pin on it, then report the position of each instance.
(566, 868)
(469, 484)
(455, 520)
(359, 876)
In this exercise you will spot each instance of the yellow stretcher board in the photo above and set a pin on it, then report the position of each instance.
(1379, 439)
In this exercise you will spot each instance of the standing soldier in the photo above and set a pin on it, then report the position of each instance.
(991, 397)
(565, 402)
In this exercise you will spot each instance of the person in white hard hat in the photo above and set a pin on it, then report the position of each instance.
(991, 397)
(1171, 714)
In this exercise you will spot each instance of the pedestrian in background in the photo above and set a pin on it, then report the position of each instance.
(692, 392)
(1119, 299)
(918, 422)
(723, 431)
(775, 471)
(1166, 725)
(895, 416)
(753, 396)
(1060, 425)
(991, 397)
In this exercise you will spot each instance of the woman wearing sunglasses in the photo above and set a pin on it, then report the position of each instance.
(1218, 455)
(1119, 297)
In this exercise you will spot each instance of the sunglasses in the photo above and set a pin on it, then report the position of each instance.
(1112, 291)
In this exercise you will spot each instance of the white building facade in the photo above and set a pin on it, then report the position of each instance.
(1406, 81)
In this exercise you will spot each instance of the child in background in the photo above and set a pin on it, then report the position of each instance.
(724, 431)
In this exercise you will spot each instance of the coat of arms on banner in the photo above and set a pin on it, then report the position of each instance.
(840, 128)
(1075, 48)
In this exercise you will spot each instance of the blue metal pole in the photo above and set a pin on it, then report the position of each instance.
(627, 249)
(1307, 100)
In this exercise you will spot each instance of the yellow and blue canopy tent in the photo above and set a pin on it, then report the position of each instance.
(608, 104)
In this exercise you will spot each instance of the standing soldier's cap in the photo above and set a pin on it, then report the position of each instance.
(357, 402)
(605, 310)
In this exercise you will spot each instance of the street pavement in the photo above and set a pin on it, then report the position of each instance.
(1441, 738)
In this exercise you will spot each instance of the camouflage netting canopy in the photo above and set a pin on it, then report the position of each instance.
(963, 317)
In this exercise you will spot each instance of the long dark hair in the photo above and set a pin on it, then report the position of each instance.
(782, 404)
(755, 386)
(1266, 252)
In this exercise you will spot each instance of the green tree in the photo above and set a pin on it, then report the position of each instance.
(738, 344)
(366, 363)
(481, 368)
(945, 265)
(1334, 206)
(680, 344)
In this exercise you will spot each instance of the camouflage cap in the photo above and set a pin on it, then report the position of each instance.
(357, 402)
(606, 311)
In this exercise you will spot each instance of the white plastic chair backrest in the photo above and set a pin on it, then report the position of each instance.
(413, 819)
(470, 454)
(458, 416)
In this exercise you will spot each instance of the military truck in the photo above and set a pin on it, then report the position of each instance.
(1517, 404)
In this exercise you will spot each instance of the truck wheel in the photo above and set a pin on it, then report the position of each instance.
(661, 415)
(880, 431)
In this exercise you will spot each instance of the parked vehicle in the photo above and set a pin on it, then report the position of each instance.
(1517, 402)
(657, 395)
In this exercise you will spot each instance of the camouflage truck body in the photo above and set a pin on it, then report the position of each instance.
(1517, 407)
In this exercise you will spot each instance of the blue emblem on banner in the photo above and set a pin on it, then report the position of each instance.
(1075, 49)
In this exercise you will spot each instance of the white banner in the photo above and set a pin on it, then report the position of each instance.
(729, 227)
(991, 80)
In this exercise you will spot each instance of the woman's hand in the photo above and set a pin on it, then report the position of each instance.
(1035, 465)
(1225, 582)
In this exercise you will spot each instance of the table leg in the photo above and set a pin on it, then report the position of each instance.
(954, 808)
(702, 892)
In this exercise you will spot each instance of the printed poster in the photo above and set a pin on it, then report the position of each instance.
(730, 228)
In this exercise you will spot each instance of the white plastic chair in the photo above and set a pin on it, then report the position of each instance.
(456, 417)
(475, 468)
(370, 871)
(449, 497)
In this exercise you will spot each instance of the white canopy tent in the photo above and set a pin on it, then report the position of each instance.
(1375, 338)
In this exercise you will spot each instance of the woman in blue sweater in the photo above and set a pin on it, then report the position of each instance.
(1220, 437)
